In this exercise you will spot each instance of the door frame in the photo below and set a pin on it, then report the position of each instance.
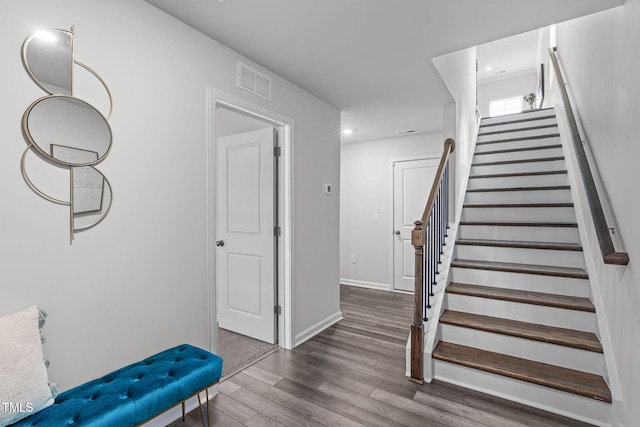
(217, 98)
(392, 162)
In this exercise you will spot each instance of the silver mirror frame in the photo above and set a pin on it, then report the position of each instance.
(105, 211)
(32, 74)
(97, 76)
(30, 183)
(33, 146)
(25, 58)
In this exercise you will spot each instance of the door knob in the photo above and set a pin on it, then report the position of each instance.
(397, 232)
(220, 243)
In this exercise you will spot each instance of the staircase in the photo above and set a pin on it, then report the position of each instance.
(517, 319)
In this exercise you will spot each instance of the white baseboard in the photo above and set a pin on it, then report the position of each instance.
(363, 284)
(317, 328)
(175, 413)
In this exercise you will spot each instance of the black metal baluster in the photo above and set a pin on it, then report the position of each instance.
(434, 268)
(445, 182)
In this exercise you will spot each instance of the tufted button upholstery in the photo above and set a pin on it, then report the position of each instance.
(135, 393)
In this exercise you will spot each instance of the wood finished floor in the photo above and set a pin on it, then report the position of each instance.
(352, 374)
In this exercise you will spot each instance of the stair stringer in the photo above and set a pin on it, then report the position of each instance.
(590, 245)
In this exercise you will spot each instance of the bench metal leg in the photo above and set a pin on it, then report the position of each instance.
(201, 410)
(208, 413)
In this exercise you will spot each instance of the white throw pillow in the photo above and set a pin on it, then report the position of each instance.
(24, 383)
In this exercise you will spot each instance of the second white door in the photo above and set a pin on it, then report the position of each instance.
(412, 180)
(245, 267)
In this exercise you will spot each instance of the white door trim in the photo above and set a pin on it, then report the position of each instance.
(217, 98)
(392, 162)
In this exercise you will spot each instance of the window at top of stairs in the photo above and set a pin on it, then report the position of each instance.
(500, 107)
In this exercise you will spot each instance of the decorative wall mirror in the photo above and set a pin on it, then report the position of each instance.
(65, 131)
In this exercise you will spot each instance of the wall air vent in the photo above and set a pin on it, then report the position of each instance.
(253, 81)
(405, 132)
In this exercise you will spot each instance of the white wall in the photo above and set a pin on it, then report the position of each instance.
(458, 70)
(366, 189)
(599, 54)
(137, 283)
(508, 87)
(542, 57)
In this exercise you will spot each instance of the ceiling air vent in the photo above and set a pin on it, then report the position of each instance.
(254, 81)
(405, 132)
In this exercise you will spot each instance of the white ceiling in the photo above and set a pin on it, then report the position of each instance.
(507, 57)
(370, 58)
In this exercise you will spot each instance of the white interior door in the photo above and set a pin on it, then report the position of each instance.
(412, 181)
(245, 267)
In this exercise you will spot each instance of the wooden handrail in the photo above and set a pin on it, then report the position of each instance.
(609, 254)
(418, 240)
(449, 147)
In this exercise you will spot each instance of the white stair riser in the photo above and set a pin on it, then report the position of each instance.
(550, 316)
(523, 234)
(578, 407)
(519, 214)
(518, 167)
(519, 196)
(517, 125)
(526, 282)
(518, 116)
(558, 355)
(521, 143)
(518, 134)
(518, 181)
(573, 259)
(518, 155)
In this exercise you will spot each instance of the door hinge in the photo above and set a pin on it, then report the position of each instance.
(277, 151)
(277, 231)
(278, 310)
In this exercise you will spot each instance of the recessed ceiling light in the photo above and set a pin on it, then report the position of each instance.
(347, 131)
(489, 68)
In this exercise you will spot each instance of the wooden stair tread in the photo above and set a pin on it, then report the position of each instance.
(509, 162)
(519, 224)
(524, 129)
(542, 270)
(522, 296)
(519, 149)
(518, 205)
(551, 116)
(502, 189)
(520, 245)
(567, 380)
(524, 138)
(516, 174)
(547, 334)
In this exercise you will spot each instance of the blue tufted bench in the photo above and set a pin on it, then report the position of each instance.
(136, 393)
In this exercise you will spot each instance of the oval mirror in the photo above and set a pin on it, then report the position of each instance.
(91, 197)
(67, 130)
(48, 58)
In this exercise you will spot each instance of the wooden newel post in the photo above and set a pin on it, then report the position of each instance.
(417, 329)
